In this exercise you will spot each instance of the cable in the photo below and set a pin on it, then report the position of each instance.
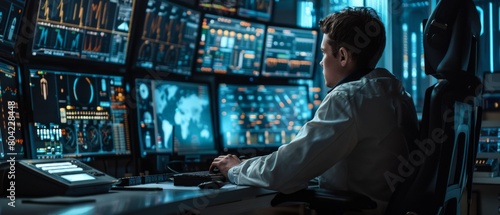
(174, 161)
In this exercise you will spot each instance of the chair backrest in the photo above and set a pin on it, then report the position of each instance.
(443, 157)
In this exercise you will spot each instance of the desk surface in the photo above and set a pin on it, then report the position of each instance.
(167, 201)
(486, 180)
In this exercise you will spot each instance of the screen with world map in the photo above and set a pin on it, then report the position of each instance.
(174, 117)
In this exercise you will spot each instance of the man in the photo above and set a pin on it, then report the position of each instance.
(363, 124)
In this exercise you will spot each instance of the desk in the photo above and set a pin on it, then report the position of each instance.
(486, 196)
(232, 200)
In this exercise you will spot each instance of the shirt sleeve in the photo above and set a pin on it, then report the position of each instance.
(329, 137)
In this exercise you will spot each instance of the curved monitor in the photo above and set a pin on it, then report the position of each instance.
(256, 9)
(174, 117)
(11, 12)
(83, 114)
(261, 115)
(230, 46)
(289, 52)
(11, 142)
(95, 30)
(168, 38)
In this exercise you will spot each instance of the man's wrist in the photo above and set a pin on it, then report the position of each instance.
(230, 175)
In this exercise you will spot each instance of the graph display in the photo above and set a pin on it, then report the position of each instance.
(174, 117)
(261, 116)
(11, 142)
(289, 52)
(82, 114)
(169, 37)
(97, 30)
(230, 46)
(220, 6)
(257, 9)
(11, 12)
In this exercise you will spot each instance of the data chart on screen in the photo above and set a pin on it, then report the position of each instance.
(289, 52)
(95, 30)
(168, 38)
(261, 115)
(230, 46)
(83, 114)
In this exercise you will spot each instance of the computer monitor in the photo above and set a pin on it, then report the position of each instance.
(174, 117)
(219, 6)
(289, 52)
(11, 12)
(261, 116)
(230, 46)
(489, 140)
(12, 141)
(96, 30)
(77, 114)
(491, 91)
(256, 9)
(168, 38)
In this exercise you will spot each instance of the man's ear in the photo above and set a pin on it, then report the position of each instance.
(344, 56)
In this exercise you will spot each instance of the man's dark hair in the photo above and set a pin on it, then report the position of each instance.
(359, 30)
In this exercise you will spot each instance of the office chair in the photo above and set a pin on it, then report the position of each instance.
(449, 131)
(452, 113)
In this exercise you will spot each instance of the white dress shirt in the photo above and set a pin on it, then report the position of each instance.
(353, 141)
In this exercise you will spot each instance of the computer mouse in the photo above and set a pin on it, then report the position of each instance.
(215, 170)
(215, 184)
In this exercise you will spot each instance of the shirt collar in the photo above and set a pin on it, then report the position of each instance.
(358, 74)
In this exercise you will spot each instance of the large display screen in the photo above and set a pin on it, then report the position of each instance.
(97, 30)
(11, 12)
(78, 114)
(174, 117)
(168, 38)
(289, 52)
(261, 115)
(230, 46)
(12, 141)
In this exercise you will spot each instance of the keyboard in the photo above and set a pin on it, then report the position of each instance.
(196, 178)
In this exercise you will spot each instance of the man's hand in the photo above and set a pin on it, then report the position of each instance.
(224, 163)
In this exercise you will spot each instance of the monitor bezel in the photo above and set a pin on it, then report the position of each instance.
(21, 106)
(29, 118)
(271, 13)
(195, 63)
(10, 52)
(173, 153)
(314, 65)
(69, 62)
(141, 12)
(251, 151)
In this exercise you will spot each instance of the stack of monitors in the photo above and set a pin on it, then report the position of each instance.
(174, 117)
(168, 38)
(230, 46)
(253, 116)
(90, 30)
(11, 12)
(219, 6)
(83, 114)
(11, 142)
(256, 9)
(289, 52)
